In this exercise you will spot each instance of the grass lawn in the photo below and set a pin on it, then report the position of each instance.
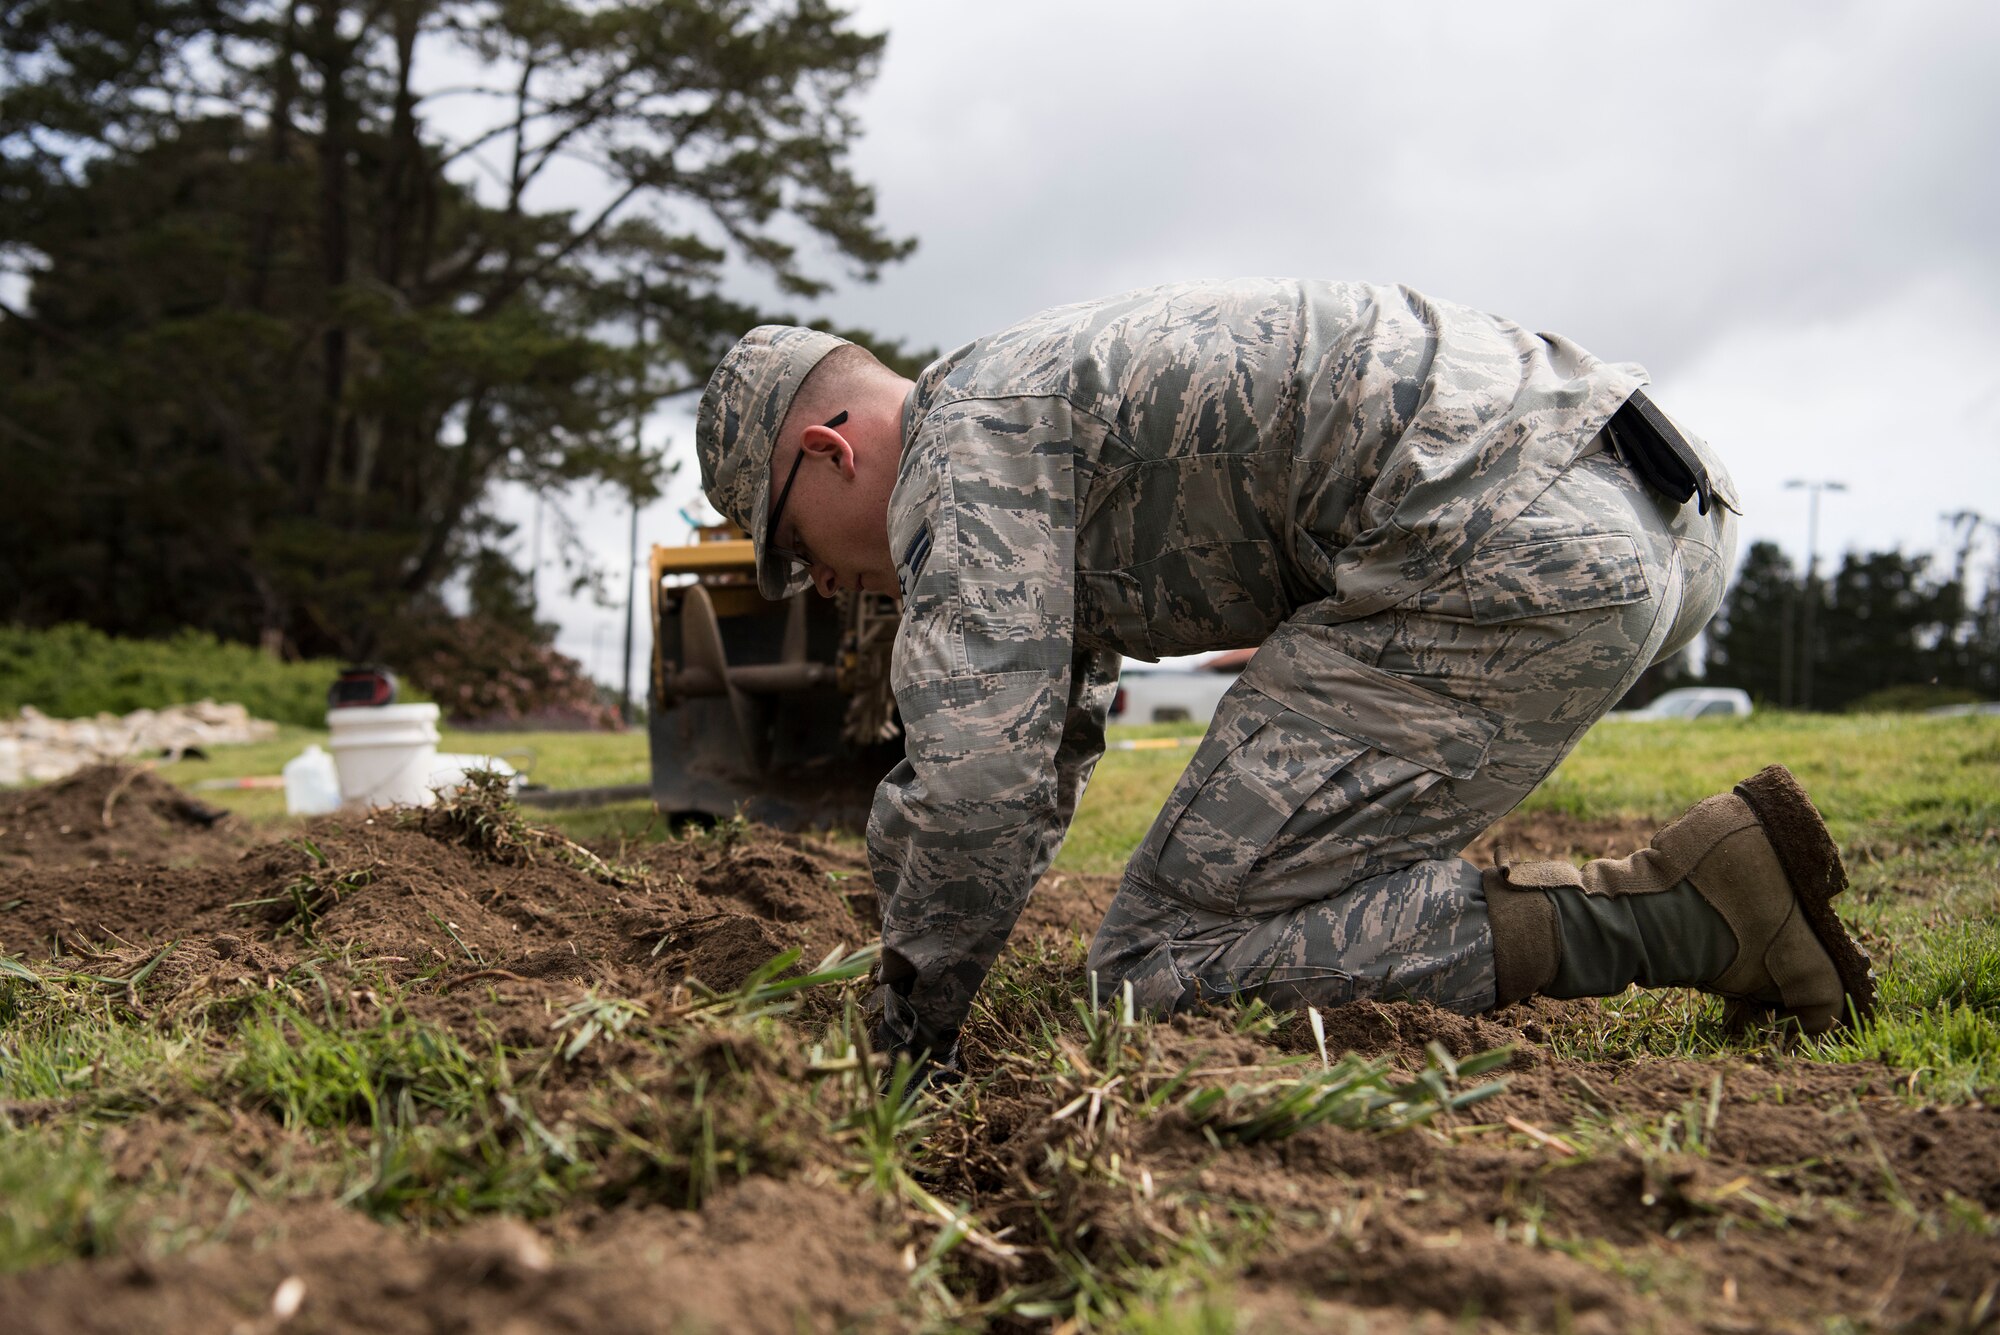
(1097, 1171)
(557, 759)
(1913, 800)
(1871, 776)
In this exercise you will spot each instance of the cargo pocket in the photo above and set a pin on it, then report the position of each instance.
(1252, 773)
(1544, 577)
(1301, 714)
(1301, 666)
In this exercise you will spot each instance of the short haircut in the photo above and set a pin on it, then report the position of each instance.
(830, 388)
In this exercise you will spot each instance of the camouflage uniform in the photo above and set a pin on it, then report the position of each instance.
(1405, 502)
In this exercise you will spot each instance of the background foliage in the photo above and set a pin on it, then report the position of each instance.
(73, 671)
(1884, 632)
(277, 348)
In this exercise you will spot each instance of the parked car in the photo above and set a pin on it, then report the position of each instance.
(1148, 693)
(1691, 702)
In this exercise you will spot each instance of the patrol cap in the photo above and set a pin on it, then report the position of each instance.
(736, 428)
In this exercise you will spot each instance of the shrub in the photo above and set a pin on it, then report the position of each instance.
(1911, 698)
(480, 669)
(73, 671)
(485, 669)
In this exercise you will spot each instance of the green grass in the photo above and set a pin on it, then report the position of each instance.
(556, 759)
(1899, 777)
(1938, 775)
(64, 1039)
(660, 1100)
(1124, 795)
(321, 1075)
(61, 1198)
(1938, 1019)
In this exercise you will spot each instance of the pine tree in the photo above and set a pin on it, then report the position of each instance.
(1748, 640)
(288, 321)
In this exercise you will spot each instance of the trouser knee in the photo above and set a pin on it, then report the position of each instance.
(1135, 945)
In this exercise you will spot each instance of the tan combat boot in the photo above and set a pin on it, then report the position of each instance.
(1735, 898)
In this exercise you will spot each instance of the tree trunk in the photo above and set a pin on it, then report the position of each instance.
(330, 55)
(264, 232)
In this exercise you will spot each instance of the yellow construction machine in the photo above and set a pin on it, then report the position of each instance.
(781, 711)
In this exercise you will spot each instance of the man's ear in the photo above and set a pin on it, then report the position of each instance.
(828, 443)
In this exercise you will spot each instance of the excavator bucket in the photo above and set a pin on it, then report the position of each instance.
(781, 711)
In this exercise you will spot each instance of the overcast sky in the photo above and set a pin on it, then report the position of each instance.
(1789, 213)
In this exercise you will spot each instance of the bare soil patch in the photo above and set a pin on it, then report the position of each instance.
(764, 1257)
(1557, 836)
(1638, 1195)
(109, 813)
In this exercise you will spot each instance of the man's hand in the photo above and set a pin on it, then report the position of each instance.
(906, 1069)
(904, 1041)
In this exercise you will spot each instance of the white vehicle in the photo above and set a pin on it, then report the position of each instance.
(1965, 711)
(1692, 702)
(1149, 694)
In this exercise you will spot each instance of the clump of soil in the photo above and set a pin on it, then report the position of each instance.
(763, 1257)
(109, 813)
(1402, 1030)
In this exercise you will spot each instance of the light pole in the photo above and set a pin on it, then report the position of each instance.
(631, 584)
(1806, 654)
(632, 495)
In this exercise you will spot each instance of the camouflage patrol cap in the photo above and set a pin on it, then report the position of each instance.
(736, 429)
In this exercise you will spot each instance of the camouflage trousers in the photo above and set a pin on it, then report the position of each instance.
(1310, 852)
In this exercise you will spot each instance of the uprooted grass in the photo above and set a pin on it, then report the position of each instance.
(1095, 1170)
(481, 816)
(667, 1100)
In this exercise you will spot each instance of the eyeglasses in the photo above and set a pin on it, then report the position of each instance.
(784, 494)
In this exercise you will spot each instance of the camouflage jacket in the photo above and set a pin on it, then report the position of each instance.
(1163, 472)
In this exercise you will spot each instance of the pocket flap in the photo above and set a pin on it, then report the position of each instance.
(1569, 574)
(1300, 669)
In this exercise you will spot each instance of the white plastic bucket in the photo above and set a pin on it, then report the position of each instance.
(385, 754)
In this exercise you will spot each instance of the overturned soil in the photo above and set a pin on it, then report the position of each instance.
(1773, 1193)
(110, 813)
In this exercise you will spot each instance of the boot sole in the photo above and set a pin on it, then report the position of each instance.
(1812, 864)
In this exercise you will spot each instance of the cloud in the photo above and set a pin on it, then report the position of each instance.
(1640, 178)
(1787, 211)
(1898, 399)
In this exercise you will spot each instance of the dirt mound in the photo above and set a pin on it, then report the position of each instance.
(397, 901)
(109, 813)
(761, 1258)
(682, 1176)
